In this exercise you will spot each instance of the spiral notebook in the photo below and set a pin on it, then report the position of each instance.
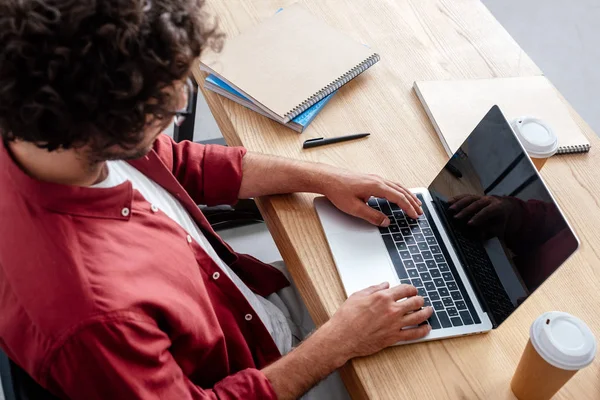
(455, 107)
(298, 124)
(289, 62)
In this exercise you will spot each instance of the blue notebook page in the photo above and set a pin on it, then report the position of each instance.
(303, 119)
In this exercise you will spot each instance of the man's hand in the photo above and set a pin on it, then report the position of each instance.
(350, 192)
(373, 319)
(367, 322)
(264, 175)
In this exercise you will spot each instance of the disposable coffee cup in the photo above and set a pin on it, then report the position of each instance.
(538, 139)
(559, 346)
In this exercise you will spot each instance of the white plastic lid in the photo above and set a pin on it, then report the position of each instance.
(563, 340)
(536, 136)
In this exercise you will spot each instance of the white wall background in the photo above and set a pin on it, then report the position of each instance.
(563, 39)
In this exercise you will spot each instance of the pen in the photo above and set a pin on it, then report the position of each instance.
(322, 141)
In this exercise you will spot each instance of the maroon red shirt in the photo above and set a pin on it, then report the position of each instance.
(102, 298)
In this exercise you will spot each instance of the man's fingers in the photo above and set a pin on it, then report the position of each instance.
(412, 198)
(417, 317)
(372, 289)
(473, 208)
(388, 192)
(402, 291)
(411, 304)
(401, 188)
(413, 333)
(371, 215)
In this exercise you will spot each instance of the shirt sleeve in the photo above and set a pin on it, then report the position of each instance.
(211, 174)
(129, 358)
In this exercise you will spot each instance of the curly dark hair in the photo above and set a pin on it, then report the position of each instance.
(75, 72)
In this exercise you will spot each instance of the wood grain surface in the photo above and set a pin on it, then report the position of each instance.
(417, 40)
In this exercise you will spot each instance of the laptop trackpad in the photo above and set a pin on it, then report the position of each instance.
(361, 259)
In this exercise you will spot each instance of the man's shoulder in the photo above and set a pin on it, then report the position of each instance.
(23, 231)
(50, 293)
(45, 273)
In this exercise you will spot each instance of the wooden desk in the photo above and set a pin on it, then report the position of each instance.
(418, 40)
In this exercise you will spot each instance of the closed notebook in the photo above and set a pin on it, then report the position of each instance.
(455, 108)
(289, 62)
(298, 124)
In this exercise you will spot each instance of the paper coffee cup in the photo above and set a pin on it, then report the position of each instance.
(538, 139)
(559, 346)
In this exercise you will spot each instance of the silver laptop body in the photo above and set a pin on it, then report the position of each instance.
(364, 256)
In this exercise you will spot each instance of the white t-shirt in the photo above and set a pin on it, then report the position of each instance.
(271, 316)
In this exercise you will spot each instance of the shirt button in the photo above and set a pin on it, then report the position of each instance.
(216, 275)
(189, 239)
(154, 208)
(248, 317)
(125, 211)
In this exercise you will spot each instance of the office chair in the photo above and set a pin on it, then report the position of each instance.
(18, 385)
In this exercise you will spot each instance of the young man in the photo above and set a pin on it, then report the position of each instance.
(112, 283)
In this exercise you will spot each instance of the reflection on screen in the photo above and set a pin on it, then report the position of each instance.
(505, 226)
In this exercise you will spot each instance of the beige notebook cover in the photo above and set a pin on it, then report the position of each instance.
(456, 107)
(289, 62)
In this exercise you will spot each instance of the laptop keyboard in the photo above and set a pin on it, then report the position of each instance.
(421, 259)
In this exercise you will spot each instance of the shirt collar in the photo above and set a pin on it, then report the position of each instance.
(65, 199)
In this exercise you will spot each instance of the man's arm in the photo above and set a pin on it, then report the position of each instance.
(220, 175)
(126, 355)
(210, 174)
(265, 175)
(367, 322)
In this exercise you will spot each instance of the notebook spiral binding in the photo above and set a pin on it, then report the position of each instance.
(582, 148)
(333, 86)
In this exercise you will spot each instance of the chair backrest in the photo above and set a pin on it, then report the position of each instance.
(18, 385)
(6, 377)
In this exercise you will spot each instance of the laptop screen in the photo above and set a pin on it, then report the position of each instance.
(505, 226)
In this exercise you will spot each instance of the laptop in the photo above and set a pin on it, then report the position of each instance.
(490, 235)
